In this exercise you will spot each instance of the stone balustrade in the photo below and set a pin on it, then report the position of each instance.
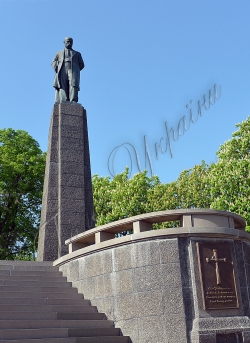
(141, 223)
(192, 221)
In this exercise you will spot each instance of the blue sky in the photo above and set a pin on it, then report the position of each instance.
(145, 61)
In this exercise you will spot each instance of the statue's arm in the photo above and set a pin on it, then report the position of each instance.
(81, 63)
(55, 63)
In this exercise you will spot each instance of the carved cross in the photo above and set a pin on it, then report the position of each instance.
(216, 260)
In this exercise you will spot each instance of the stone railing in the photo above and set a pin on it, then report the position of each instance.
(192, 221)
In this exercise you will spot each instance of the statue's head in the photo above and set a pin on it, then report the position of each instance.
(68, 42)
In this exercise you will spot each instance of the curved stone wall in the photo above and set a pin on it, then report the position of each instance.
(149, 284)
(138, 285)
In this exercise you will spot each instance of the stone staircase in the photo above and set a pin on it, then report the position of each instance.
(38, 305)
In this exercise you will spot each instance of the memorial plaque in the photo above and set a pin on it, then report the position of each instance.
(217, 276)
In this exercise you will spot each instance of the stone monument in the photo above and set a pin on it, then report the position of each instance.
(67, 206)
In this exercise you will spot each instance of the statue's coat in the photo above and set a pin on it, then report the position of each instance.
(77, 65)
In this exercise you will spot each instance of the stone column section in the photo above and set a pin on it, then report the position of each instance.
(48, 241)
(67, 207)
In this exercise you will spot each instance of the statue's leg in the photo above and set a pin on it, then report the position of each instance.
(73, 91)
(64, 85)
(73, 94)
(62, 95)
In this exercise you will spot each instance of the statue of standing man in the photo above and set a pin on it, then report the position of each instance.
(67, 64)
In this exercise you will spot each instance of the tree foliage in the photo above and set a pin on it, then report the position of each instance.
(22, 165)
(224, 185)
(230, 177)
(121, 197)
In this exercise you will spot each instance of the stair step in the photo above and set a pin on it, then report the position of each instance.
(22, 315)
(29, 267)
(34, 277)
(27, 315)
(80, 316)
(32, 294)
(5, 267)
(39, 324)
(43, 301)
(35, 268)
(57, 333)
(79, 302)
(33, 333)
(94, 332)
(34, 284)
(25, 263)
(46, 340)
(44, 289)
(49, 308)
(34, 272)
(106, 339)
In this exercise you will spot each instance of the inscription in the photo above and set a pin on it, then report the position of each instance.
(220, 295)
(217, 276)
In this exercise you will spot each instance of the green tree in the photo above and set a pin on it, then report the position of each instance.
(22, 165)
(162, 197)
(230, 177)
(193, 189)
(121, 197)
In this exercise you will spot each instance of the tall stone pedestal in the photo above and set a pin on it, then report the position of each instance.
(67, 207)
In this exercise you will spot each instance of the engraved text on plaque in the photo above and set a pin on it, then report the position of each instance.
(217, 276)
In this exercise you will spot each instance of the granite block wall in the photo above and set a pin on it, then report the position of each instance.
(151, 289)
(139, 286)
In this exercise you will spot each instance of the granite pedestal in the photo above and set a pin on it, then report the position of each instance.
(67, 207)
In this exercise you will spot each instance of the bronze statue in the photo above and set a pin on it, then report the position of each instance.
(67, 64)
